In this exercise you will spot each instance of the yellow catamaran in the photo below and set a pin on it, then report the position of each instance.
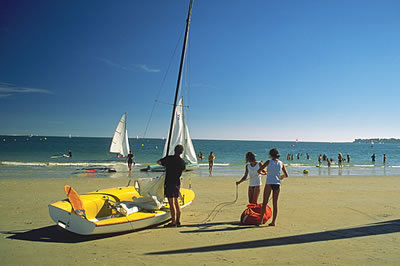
(116, 209)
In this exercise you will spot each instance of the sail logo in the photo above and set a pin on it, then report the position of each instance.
(179, 117)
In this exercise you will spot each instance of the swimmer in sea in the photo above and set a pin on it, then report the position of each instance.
(211, 159)
(340, 160)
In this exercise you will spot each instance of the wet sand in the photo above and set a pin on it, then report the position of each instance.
(329, 220)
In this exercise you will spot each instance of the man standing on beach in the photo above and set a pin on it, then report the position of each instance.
(174, 166)
(348, 158)
(373, 157)
(384, 158)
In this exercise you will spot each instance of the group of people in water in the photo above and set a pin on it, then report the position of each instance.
(324, 158)
(341, 159)
(373, 158)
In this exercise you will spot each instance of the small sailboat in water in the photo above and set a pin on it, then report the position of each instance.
(120, 141)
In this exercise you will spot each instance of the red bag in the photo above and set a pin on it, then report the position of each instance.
(253, 212)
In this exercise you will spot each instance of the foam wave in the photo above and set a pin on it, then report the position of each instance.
(333, 165)
(299, 165)
(215, 164)
(60, 164)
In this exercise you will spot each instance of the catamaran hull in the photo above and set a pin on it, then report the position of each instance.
(159, 168)
(75, 224)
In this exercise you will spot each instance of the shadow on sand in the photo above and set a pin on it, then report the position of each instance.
(382, 228)
(55, 234)
(207, 227)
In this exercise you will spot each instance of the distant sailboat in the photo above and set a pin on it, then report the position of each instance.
(120, 141)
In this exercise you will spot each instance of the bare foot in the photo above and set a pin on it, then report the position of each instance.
(271, 224)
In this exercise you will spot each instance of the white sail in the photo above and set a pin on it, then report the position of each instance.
(125, 146)
(180, 135)
(178, 130)
(189, 153)
(120, 142)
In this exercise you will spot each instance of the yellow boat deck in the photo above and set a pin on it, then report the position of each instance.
(97, 205)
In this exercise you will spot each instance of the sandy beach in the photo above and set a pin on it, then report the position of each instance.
(329, 220)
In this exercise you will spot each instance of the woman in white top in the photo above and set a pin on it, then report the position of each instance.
(275, 166)
(251, 171)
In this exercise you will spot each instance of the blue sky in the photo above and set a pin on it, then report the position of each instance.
(259, 70)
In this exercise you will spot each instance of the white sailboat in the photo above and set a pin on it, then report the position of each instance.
(178, 131)
(180, 135)
(124, 208)
(120, 141)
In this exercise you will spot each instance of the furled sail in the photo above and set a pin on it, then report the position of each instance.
(152, 192)
(120, 142)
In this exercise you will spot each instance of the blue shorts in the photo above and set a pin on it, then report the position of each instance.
(274, 186)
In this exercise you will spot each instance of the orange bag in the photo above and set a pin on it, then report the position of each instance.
(253, 212)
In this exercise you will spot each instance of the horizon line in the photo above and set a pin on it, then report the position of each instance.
(211, 139)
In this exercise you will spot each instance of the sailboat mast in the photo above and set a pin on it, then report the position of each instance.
(179, 75)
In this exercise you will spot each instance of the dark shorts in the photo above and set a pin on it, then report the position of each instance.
(172, 190)
(274, 186)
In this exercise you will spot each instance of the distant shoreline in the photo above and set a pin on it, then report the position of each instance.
(377, 141)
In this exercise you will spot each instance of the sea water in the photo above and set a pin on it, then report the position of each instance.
(24, 156)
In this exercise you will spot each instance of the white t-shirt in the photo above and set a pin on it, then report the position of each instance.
(254, 177)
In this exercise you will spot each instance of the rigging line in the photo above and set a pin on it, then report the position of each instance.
(167, 103)
(188, 80)
(185, 85)
(162, 85)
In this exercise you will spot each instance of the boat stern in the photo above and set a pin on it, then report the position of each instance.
(70, 221)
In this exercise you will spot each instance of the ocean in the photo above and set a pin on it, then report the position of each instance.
(40, 156)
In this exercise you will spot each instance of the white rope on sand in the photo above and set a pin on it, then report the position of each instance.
(219, 207)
